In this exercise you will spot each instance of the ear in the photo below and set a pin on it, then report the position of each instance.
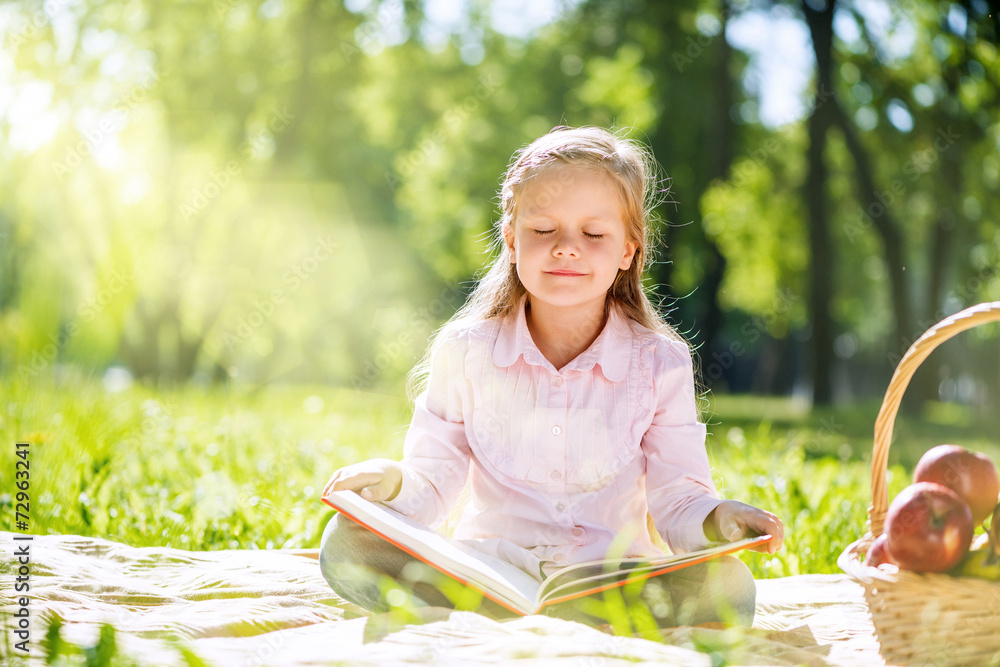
(630, 249)
(508, 236)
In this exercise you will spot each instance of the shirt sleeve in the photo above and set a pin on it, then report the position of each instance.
(436, 450)
(680, 492)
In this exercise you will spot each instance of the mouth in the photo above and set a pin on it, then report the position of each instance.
(564, 273)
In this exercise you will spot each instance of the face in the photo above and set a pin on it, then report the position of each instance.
(569, 238)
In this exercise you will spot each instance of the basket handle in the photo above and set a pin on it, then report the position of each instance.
(915, 355)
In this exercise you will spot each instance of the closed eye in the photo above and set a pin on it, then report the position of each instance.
(543, 232)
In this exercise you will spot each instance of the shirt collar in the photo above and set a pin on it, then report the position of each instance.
(611, 349)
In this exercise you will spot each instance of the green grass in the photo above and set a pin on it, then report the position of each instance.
(218, 468)
(189, 468)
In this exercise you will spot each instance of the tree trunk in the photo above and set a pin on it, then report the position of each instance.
(820, 244)
(876, 207)
(289, 140)
(187, 354)
(925, 382)
(143, 355)
(924, 385)
(719, 132)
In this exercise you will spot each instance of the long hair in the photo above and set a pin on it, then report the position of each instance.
(634, 173)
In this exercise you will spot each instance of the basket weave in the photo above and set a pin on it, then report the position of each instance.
(923, 618)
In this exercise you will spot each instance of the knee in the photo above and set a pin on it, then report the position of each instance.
(343, 553)
(337, 538)
(339, 547)
(738, 587)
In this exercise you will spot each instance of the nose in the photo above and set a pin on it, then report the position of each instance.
(566, 245)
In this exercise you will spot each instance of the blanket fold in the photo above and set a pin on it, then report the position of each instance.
(274, 608)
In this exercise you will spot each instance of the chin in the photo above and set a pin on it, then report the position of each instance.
(563, 298)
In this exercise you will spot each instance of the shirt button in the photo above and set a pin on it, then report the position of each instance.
(556, 474)
(577, 532)
(556, 430)
(558, 382)
(560, 506)
(557, 557)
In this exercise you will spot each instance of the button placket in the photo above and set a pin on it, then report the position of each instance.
(557, 407)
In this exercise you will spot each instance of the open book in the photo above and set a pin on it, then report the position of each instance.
(502, 582)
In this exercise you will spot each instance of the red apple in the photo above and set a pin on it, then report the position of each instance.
(878, 552)
(929, 528)
(971, 475)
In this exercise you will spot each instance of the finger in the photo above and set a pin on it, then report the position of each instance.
(768, 547)
(344, 475)
(756, 532)
(749, 527)
(356, 482)
(777, 540)
(760, 522)
(772, 520)
(730, 530)
(772, 544)
(777, 530)
(329, 485)
(765, 523)
(376, 492)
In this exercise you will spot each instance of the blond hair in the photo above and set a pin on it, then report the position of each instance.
(632, 170)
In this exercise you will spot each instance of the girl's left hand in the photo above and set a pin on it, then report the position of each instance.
(732, 520)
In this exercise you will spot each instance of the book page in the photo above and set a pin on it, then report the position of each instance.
(594, 574)
(480, 570)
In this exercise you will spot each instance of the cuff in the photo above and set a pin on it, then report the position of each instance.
(690, 536)
(412, 491)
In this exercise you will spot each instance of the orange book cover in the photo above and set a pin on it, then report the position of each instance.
(502, 582)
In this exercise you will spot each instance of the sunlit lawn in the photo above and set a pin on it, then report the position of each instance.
(219, 468)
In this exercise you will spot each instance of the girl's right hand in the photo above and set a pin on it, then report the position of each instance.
(374, 479)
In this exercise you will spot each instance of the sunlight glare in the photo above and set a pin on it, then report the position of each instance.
(32, 123)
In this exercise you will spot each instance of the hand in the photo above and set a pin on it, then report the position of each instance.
(374, 479)
(732, 520)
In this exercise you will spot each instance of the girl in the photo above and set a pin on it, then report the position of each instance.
(567, 402)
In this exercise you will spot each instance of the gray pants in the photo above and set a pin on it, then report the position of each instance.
(360, 566)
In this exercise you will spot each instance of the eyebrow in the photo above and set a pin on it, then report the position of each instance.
(592, 218)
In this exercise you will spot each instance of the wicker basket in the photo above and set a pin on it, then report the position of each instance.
(923, 618)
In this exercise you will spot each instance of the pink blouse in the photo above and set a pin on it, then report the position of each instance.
(563, 464)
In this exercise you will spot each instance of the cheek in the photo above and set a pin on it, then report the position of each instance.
(610, 255)
(529, 245)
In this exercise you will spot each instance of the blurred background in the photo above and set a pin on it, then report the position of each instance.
(301, 191)
(228, 228)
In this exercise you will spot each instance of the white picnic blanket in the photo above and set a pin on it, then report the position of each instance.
(275, 608)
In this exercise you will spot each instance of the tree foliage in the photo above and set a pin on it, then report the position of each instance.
(300, 190)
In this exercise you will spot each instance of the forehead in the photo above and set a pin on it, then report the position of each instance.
(568, 187)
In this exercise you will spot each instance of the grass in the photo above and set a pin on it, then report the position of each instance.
(219, 468)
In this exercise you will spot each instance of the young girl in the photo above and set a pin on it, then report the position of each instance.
(565, 400)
